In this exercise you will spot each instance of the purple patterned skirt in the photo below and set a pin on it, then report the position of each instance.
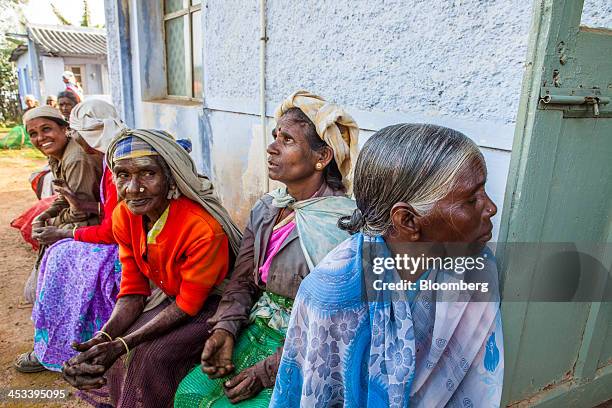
(77, 288)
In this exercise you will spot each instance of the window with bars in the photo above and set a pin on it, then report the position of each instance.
(183, 41)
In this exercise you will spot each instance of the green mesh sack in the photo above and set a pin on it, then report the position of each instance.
(16, 138)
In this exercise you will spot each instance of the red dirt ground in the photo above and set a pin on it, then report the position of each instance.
(16, 260)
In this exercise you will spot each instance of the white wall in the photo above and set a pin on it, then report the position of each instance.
(92, 85)
(52, 67)
(105, 80)
(455, 63)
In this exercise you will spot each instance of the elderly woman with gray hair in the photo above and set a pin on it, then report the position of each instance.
(174, 239)
(365, 330)
(79, 274)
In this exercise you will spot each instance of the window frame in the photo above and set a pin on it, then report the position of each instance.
(80, 75)
(188, 11)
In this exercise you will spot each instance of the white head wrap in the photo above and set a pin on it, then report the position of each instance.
(44, 111)
(97, 123)
(69, 76)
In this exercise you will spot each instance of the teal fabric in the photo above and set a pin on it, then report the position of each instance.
(316, 222)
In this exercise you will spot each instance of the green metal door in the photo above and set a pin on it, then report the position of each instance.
(559, 354)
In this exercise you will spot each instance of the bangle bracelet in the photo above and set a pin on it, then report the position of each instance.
(74, 233)
(104, 333)
(126, 359)
(127, 349)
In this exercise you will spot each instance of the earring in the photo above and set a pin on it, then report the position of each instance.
(319, 166)
(141, 189)
(173, 193)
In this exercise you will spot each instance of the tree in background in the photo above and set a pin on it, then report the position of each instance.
(59, 15)
(85, 19)
(10, 111)
(12, 20)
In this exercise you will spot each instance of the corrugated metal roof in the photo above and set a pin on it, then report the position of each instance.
(68, 40)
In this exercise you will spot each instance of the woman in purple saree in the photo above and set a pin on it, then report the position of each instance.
(80, 273)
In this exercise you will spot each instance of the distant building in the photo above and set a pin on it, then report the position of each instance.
(50, 50)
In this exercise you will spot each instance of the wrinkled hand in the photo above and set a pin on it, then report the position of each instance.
(39, 221)
(217, 354)
(243, 386)
(61, 187)
(49, 235)
(104, 354)
(97, 339)
(84, 376)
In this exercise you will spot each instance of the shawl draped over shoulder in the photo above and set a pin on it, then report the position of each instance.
(344, 349)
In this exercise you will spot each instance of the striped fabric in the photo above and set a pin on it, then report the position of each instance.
(133, 147)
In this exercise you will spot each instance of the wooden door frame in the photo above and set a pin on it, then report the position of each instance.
(552, 21)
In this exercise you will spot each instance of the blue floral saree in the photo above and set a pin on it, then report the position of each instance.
(400, 349)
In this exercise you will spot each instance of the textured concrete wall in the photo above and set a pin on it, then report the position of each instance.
(457, 63)
(597, 13)
(461, 58)
(184, 122)
(386, 61)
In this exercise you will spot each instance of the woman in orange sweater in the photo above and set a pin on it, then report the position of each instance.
(175, 236)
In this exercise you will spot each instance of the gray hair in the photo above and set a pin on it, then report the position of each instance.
(413, 163)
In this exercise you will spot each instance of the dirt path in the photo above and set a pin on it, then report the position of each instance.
(16, 260)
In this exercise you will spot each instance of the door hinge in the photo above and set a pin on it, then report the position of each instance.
(574, 102)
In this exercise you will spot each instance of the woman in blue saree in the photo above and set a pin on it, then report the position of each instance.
(354, 342)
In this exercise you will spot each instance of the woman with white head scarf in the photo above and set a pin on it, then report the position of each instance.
(83, 259)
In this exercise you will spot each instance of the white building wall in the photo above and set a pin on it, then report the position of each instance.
(92, 80)
(454, 63)
(457, 64)
(52, 68)
(105, 80)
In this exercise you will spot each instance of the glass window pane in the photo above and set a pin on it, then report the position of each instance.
(171, 6)
(196, 28)
(176, 56)
(77, 74)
